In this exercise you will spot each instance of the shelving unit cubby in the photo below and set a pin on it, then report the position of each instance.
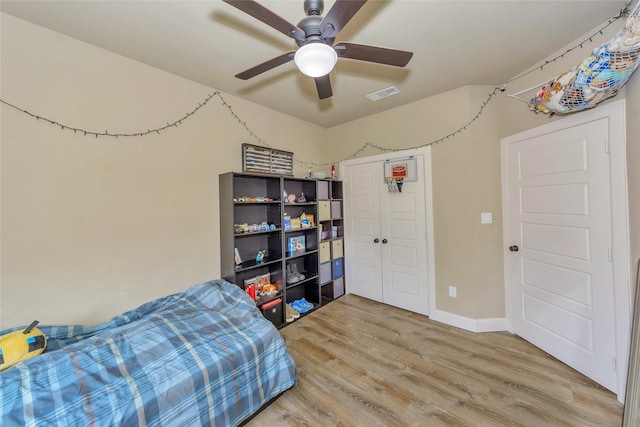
(303, 260)
(331, 246)
(256, 215)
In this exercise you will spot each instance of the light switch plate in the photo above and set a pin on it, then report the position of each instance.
(486, 218)
(453, 292)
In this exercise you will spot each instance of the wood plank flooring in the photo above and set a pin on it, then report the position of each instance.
(361, 363)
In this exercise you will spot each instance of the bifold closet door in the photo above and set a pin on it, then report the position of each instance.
(362, 215)
(403, 245)
(386, 239)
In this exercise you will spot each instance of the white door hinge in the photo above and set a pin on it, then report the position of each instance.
(606, 145)
(614, 364)
(610, 255)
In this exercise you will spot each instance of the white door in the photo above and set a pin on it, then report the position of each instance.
(385, 237)
(560, 221)
(404, 248)
(361, 187)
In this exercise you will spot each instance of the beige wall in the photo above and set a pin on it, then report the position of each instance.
(466, 173)
(92, 227)
(466, 182)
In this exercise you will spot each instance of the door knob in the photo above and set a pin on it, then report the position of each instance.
(514, 248)
(384, 240)
(376, 240)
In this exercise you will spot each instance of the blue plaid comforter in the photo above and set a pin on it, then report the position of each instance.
(202, 357)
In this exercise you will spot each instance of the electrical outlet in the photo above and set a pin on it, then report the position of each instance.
(453, 292)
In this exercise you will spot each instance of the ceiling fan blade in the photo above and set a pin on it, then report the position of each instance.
(341, 12)
(323, 84)
(265, 15)
(266, 66)
(381, 55)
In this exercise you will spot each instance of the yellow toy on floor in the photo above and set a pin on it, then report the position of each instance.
(17, 346)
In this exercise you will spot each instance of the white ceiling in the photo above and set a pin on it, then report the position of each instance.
(455, 43)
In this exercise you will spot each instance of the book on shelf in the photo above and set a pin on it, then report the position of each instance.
(296, 245)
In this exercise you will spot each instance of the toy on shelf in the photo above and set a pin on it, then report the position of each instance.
(252, 199)
(306, 220)
(260, 286)
(268, 290)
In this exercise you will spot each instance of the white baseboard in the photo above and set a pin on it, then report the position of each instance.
(473, 325)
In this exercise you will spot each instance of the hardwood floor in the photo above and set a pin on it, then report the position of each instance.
(361, 363)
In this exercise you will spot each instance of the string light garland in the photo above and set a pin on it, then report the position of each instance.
(106, 132)
(624, 12)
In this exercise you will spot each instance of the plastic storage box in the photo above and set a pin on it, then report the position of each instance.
(272, 310)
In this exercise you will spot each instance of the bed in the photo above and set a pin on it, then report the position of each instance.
(205, 356)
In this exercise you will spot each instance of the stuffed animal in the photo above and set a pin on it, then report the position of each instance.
(21, 345)
(633, 27)
(629, 37)
(621, 65)
(591, 66)
(562, 83)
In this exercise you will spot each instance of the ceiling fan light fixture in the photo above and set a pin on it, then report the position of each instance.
(315, 59)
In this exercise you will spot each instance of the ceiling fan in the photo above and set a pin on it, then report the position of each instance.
(315, 35)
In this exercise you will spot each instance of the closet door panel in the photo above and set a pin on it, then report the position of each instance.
(386, 235)
(403, 229)
(405, 283)
(363, 222)
(404, 256)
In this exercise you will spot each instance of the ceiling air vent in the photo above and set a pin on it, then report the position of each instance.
(384, 93)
